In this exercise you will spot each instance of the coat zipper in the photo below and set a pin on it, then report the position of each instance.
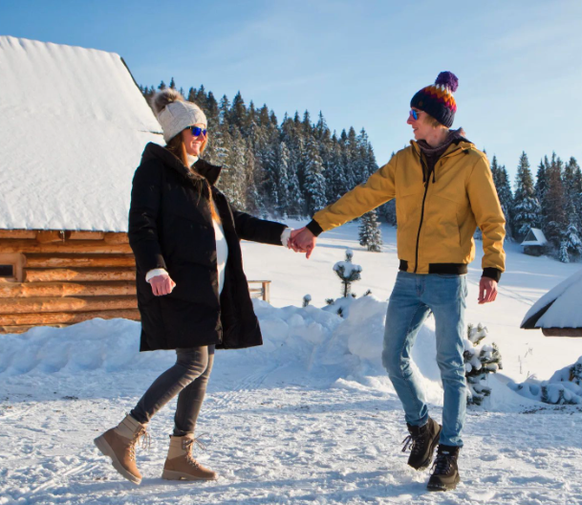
(427, 182)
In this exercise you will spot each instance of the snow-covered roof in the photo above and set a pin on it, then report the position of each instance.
(73, 127)
(534, 236)
(559, 307)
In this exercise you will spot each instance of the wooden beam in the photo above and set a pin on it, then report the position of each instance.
(86, 235)
(66, 304)
(23, 328)
(60, 289)
(65, 317)
(49, 236)
(562, 332)
(116, 238)
(74, 261)
(79, 274)
(17, 234)
(71, 246)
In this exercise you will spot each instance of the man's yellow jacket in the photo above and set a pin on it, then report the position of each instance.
(437, 213)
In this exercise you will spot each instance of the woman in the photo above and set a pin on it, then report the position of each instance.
(192, 292)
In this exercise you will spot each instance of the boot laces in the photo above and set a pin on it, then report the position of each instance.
(145, 443)
(413, 442)
(188, 446)
(442, 464)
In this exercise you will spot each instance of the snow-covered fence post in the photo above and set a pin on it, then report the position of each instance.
(347, 272)
(479, 361)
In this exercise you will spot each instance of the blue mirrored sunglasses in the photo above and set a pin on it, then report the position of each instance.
(197, 131)
(414, 114)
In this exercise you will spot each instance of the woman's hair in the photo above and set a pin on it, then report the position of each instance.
(177, 147)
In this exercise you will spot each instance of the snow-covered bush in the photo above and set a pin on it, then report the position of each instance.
(348, 272)
(480, 359)
(563, 388)
(306, 300)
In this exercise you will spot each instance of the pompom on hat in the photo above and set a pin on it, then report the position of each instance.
(438, 100)
(174, 113)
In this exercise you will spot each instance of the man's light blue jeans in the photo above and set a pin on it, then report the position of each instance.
(414, 297)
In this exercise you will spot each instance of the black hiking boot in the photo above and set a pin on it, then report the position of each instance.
(445, 475)
(422, 441)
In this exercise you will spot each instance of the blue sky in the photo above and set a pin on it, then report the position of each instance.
(519, 63)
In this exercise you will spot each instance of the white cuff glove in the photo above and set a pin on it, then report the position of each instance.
(285, 236)
(155, 272)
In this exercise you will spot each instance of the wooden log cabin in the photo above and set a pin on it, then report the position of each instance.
(73, 125)
(63, 277)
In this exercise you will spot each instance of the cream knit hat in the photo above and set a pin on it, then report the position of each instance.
(174, 113)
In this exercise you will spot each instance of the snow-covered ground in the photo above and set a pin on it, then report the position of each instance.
(310, 417)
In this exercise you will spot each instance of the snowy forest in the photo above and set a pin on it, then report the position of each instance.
(291, 169)
(553, 203)
(296, 167)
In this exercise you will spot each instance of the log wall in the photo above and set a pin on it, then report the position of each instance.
(66, 277)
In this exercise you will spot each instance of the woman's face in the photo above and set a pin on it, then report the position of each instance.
(193, 143)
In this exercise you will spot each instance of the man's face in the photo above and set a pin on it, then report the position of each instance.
(421, 127)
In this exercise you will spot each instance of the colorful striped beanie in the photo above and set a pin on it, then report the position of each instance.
(438, 100)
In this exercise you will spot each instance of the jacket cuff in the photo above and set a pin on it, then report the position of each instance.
(492, 273)
(314, 228)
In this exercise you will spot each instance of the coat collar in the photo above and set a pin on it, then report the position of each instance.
(204, 170)
(463, 145)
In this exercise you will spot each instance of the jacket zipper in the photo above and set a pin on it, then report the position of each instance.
(427, 182)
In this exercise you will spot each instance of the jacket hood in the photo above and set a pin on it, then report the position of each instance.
(204, 170)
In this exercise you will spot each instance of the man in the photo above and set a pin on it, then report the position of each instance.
(444, 190)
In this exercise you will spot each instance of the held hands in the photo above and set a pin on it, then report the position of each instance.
(487, 290)
(302, 240)
(162, 285)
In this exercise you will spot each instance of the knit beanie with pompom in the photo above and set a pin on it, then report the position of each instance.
(438, 100)
(174, 113)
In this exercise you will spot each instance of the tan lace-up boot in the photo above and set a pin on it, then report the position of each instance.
(180, 464)
(119, 444)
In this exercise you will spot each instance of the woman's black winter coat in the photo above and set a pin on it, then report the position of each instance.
(170, 226)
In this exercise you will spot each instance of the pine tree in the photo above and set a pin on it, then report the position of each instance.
(526, 208)
(369, 232)
(314, 180)
(572, 180)
(571, 243)
(503, 187)
(553, 204)
(233, 180)
(238, 113)
(284, 197)
(542, 179)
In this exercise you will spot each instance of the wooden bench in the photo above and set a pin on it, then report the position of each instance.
(260, 289)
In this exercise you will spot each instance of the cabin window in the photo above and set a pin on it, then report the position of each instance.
(6, 271)
(11, 267)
